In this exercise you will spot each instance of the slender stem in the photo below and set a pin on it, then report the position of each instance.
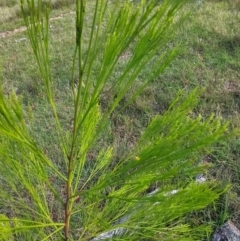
(67, 210)
(80, 4)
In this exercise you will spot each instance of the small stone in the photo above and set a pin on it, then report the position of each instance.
(200, 178)
(227, 232)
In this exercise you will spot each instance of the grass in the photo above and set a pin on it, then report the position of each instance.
(10, 12)
(210, 57)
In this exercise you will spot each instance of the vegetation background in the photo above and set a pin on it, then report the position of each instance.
(210, 58)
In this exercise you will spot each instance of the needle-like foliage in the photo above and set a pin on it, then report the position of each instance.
(56, 200)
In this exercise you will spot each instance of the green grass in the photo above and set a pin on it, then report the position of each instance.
(210, 57)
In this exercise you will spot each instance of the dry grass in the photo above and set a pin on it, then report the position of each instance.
(10, 12)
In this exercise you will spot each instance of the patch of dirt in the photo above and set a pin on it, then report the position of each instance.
(126, 55)
(231, 86)
(9, 33)
(22, 29)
